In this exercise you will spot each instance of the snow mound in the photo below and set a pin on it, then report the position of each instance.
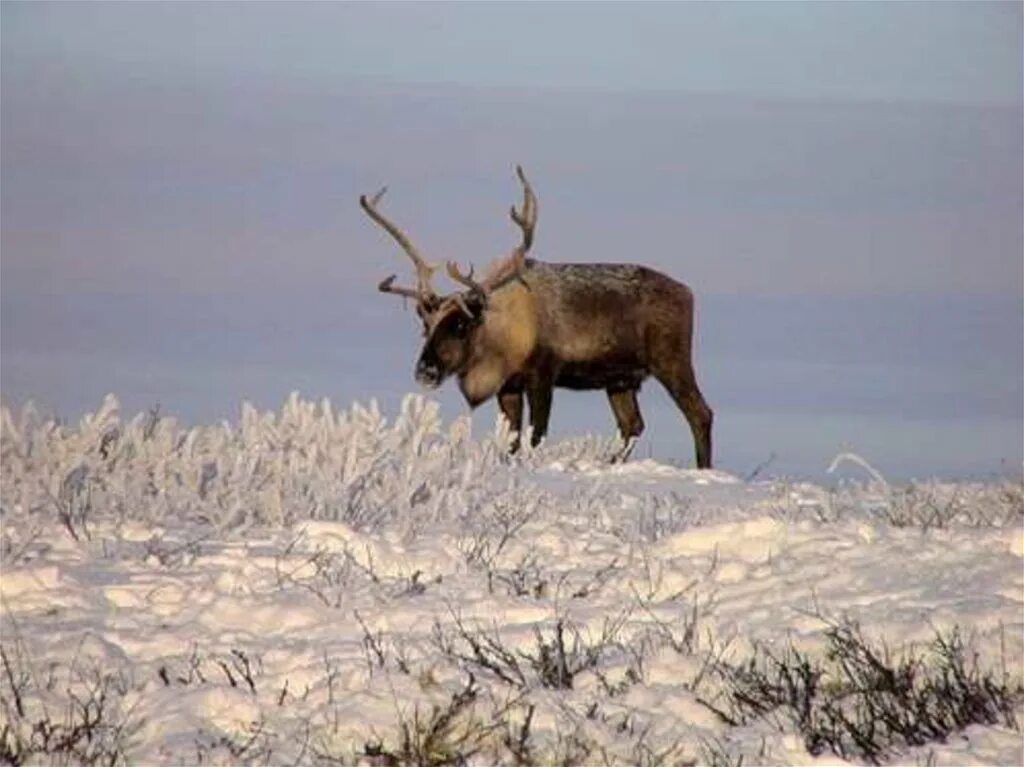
(308, 585)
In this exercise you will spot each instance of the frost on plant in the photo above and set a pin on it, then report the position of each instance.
(324, 586)
(308, 461)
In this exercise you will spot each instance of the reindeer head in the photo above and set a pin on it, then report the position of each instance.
(451, 323)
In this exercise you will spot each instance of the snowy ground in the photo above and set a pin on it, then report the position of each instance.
(313, 586)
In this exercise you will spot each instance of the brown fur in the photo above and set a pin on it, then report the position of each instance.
(503, 346)
(576, 326)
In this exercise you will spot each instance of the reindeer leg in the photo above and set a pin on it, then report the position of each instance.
(627, 416)
(538, 394)
(510, 401)
(682, 387)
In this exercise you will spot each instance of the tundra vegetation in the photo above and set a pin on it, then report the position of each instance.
(322, 586)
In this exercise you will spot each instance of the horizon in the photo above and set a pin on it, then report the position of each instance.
(839, 185)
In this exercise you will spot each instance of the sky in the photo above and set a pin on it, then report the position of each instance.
(840, 184)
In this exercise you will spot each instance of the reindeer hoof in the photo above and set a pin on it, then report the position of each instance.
(627, 450)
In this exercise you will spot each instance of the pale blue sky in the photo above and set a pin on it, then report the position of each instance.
(951, 52)
(839, 182)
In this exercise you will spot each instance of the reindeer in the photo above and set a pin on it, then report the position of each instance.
(528, 326)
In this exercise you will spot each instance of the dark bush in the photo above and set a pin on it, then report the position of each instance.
(862, 701)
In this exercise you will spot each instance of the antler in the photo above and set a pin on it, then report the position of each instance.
(424, 291)
(504, 271)
(465, 279)
(385, 286)
(510, 267)
(527, 218)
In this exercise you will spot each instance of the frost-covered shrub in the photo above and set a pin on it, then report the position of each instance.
(930, 505)
(927, 504)
(308, 461)
(311, 461)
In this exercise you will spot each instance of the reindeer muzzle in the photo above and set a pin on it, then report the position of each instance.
(429, 375)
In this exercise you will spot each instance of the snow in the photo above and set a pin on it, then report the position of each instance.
(282, 590)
